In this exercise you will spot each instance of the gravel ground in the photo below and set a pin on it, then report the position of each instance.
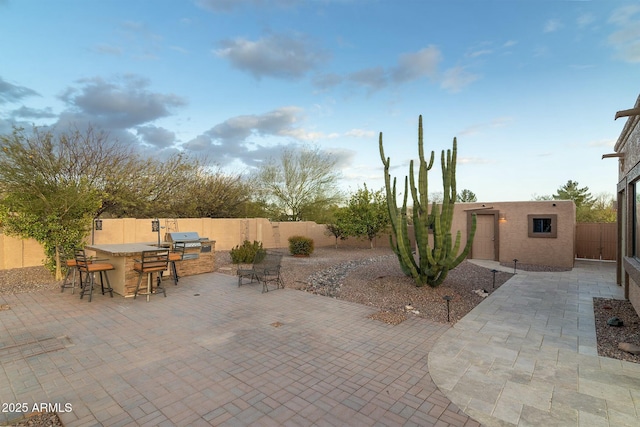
(610, 336)
(373, 277)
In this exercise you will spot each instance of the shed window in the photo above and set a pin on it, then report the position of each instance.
(543, 225)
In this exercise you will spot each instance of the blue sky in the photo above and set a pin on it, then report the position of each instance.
(529, 87)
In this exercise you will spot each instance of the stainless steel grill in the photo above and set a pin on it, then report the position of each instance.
(188, 240)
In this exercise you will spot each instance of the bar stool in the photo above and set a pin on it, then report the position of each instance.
(90, 268)
(72, 270)
(154, 261)
(174, 256)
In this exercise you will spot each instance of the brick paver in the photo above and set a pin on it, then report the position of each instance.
(215, 354)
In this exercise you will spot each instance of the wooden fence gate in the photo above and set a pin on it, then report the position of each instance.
(597, 240)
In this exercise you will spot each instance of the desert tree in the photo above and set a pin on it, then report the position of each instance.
(214, 194)
(51, 185)
(572, 191)
(467, 196)
(366, 214)
(295, 184)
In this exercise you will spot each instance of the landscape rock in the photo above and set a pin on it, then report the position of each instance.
(481, 292)
(615, 321)
(629, 348)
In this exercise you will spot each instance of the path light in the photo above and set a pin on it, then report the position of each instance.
(447, 298)
(515, 263)
(494, 271)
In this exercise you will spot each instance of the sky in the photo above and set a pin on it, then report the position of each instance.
(529, 88)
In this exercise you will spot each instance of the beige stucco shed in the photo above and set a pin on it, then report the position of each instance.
(533, 232)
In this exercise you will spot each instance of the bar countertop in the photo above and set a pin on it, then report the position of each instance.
(123, 249)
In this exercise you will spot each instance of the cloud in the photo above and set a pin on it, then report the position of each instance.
(552, 25)
(33, 113)
(373, 78)
(626, 37)
(134, 39)
(278, 122)
(155, 136)
(456, 78)
(327, 81)
(231, 139)
(230, 5)
(480, 52)
(410, 67)
(120, 104)
(608, 143)
(179, 49)
(474, 161)
(12, 93)
(585, 19)
(107, 49)
(276, 55)
(361, 133)
(238, 139)
(413, 66)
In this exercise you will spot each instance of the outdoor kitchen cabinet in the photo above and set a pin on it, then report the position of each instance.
(122, 256)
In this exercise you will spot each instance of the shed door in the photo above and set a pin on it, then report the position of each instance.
(484, 240)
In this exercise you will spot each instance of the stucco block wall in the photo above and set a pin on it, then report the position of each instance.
(226, 232)
(19, 253)
(512, 234)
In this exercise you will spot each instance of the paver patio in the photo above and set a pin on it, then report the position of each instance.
(215, 354)
(527, 355)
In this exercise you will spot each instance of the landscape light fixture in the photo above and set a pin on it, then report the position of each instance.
(447, 298)
(515, 263)
(494, 271)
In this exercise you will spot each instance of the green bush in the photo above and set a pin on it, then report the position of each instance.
(300, 245)
(247, 253)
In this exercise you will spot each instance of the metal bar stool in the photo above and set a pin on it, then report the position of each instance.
(90, 268)
(174, 256)
(154, 261)
(72, 271)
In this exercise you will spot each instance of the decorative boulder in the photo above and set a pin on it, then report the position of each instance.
(629, 348)
(615, 321)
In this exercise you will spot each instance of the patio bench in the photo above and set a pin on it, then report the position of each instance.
(265, 269)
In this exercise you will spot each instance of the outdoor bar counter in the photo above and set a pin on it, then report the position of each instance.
(122, 256)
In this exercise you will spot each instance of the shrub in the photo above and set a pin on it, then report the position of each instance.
(247, 253)
(300, 245)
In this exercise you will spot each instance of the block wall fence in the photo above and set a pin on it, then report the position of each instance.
(508, 232)
(227, 233)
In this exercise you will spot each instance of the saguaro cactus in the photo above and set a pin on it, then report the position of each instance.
(438, 254)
